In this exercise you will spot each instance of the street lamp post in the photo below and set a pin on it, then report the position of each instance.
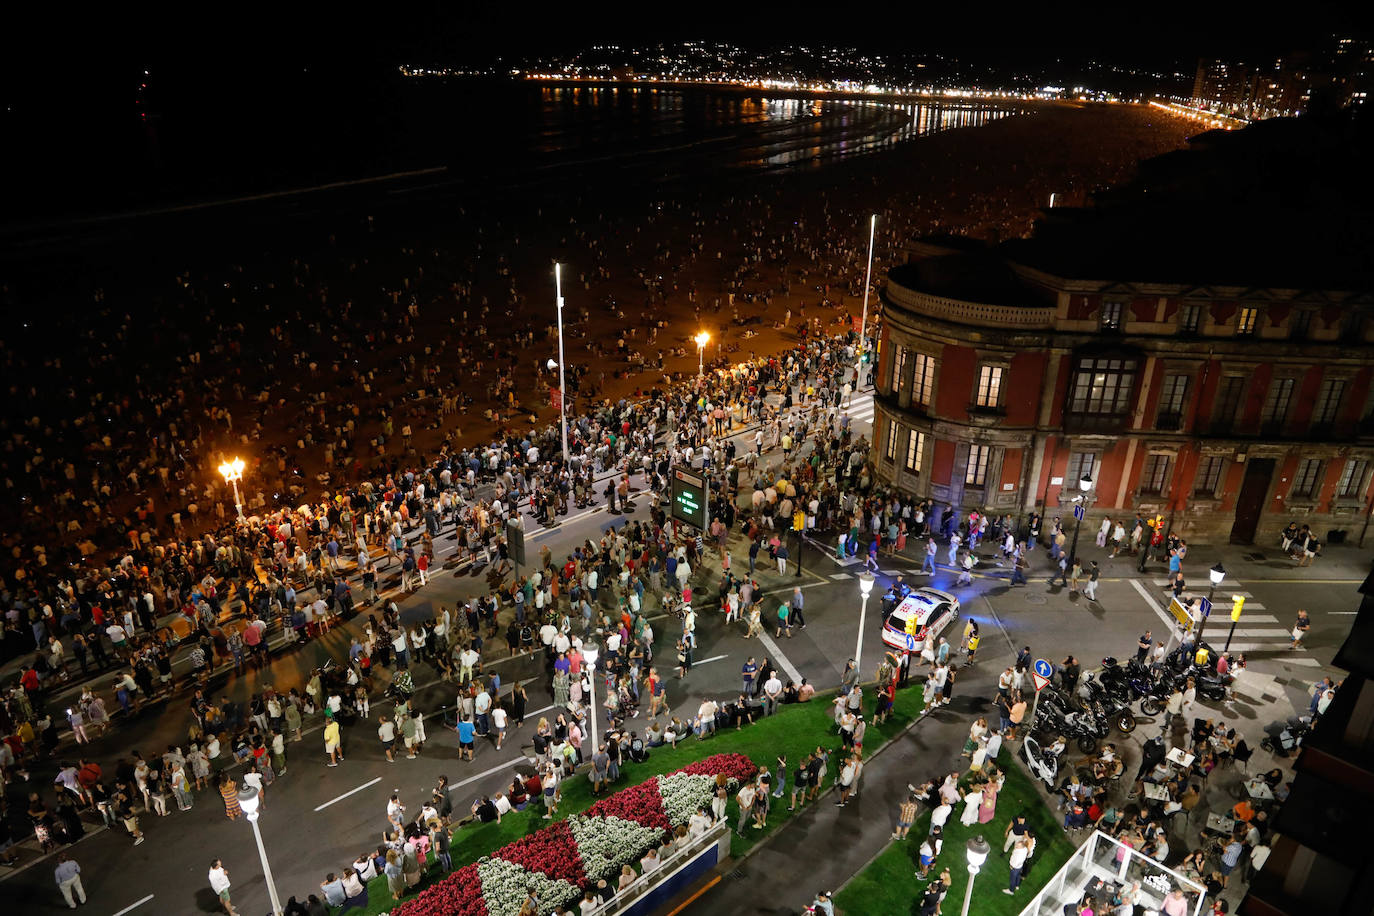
(701, 340)
(249, 802)
(865, 586)
(1216, 574)
(977, 851)
(589, 655)
(868, 281)
(1085, 484)
(233, 473)
(562, 384)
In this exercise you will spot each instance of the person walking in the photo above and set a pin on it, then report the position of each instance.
(331, 739)
(1300, 628)
(1093, 572)
(68, 877)
(219, 883)
(906, 816)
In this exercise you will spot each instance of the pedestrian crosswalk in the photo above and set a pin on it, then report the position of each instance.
(1256, 631)
(860, 409)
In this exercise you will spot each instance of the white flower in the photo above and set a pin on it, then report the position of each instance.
(606, 844)
(683, 794)
(504, 885)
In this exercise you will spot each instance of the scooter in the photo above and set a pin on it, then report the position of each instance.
(1042, 766)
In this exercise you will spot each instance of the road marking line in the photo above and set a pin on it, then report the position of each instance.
(776, 654)
(1264, 633)
(713, 658)
(1264, 646)
(1343, 613)
(496, 769)
(134, 906)
(841, 576)
(1305, 662)
(1154, 605)
(348, 793)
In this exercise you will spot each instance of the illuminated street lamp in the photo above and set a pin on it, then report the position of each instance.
(562, 386)
(249, 802)
(1085, 484)
(233, 473)
(868, 281)
(589, 655)
(1216, 574)
(701, 340)
(865, 587)
(977, 852)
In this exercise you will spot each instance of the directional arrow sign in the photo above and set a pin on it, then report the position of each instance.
(1078, 513)
(1041, 672)
(911, 643)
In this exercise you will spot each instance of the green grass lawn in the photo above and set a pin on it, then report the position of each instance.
(795, 730)
(889, 884)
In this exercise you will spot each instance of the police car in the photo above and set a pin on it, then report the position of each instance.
(922, 615)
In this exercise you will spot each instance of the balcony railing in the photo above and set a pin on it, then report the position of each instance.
(1096, 423)
(1018, 317)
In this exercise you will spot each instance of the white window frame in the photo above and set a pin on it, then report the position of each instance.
(890, 447)
(1329, 398)
(1156, 474)
(1307, 479)
(923, 380)
(1353, 479)
(991, 377)
(976, 471)
(915, 449)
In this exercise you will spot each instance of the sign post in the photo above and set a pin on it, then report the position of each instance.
(515, 542)
(690, 498)
(1041, 672)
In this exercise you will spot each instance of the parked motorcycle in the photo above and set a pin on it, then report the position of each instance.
(1042, 766)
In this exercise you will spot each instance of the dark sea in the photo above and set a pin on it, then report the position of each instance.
(167, 170)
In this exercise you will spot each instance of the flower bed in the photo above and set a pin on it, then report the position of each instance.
(565, 858)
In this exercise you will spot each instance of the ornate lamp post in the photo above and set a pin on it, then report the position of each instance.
(233, 473)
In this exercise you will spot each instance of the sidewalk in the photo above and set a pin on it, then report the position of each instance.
(823, 846)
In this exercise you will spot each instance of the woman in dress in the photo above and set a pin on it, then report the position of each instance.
(561, 686)
(395, 877)
(229, 792)
(987, 810)
(973, 801)
(518, 700)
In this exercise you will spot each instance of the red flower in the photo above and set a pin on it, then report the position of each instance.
(642, 804)
(552, 851)
(732, 766)
(459, 894)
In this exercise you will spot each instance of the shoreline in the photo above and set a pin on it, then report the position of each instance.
(631, 260)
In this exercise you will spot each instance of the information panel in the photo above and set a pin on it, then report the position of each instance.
(691, 504)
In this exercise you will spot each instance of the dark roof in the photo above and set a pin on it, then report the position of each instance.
(1285, 203)
(974, 275)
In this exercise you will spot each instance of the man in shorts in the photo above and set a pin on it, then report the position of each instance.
(219, 883)
(386, 731)
(466, 734)
(331, 739)
(906, 816)
(409, 733)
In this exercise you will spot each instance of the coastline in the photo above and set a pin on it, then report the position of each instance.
(633, 257)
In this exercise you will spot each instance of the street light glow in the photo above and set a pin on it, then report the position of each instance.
(702, 339)
(232, 470)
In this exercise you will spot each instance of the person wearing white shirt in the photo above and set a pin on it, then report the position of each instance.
(772, 691)
(219, 883)
(547, 633)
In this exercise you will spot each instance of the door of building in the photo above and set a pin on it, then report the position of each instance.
(1254, 490)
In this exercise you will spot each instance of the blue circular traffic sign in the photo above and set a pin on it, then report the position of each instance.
(1043, 668)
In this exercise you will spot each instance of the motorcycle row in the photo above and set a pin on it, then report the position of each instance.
(1102, 700)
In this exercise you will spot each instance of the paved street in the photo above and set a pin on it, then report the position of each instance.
(317, 819)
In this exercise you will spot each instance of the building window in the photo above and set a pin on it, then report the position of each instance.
(976, 475)
(898, 370)
(923, 382)
(1246, 321)
(990, 386)
(1103, 386)
(1081, 464)
(1229, 398)
(1155, 479)
(915, 446)
(1328, 402)
(1300, 325)
(1172, 399)
(1351, 485)
(1208, 477)
(1111, 315)
(890, 451)
(1189, 319)
(1308, 478)
(1276, 405)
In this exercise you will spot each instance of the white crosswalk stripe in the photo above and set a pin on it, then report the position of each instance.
(1250, 634)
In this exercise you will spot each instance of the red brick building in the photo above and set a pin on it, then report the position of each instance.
(1005, 376)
